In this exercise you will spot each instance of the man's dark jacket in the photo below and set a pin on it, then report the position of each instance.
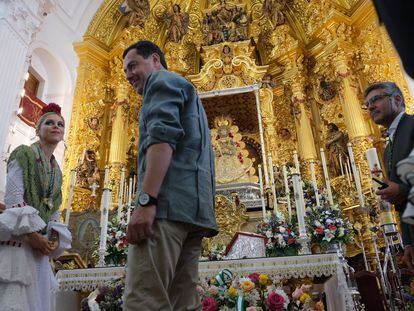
(399, 149)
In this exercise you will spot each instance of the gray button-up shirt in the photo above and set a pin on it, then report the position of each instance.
(172, 113)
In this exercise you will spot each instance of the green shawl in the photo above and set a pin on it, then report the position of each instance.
(40, 179)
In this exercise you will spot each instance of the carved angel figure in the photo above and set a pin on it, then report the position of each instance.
(177, 23)
(140, 11)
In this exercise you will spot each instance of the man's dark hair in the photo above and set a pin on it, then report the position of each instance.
(146, 49)
(390, 87)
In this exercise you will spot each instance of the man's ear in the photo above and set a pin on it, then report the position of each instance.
(398, 100)
(157, 60)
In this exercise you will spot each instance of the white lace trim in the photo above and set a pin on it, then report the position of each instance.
(19, 221)
(278, 268)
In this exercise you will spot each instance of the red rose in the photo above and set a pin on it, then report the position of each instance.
(291, 240)
(332, 227)
(275, 302)
(254, 277)
(319, 230)
(210, 304)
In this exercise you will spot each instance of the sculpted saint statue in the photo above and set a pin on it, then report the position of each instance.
(88, 170)
(336, 142)
(177, 23)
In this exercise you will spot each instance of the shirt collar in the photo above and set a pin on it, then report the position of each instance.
(391, 130)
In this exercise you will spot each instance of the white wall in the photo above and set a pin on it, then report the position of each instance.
(48, 44)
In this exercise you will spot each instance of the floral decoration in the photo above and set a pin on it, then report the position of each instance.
(281, 239)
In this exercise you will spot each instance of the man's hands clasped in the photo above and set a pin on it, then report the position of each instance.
(141, 224)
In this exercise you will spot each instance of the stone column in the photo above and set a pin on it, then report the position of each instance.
(19, 23)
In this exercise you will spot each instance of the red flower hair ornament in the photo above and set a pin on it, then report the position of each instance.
(52, 107)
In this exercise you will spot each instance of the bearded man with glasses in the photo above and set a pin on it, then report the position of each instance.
(386, 107)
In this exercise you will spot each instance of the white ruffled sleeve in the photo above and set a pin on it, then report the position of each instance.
(65, 237)
(18, 218)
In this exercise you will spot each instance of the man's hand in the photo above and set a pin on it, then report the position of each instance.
(39, 243)
(409, 257)
(392, 193)
(141, 224)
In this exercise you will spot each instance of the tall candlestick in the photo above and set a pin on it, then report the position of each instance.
(340, 164)
(106, 178)
(314, 183)
(326, 176)
(105, 203)
(300, 212)
(259, 167)
(129, 200)
(296, 160)
(272, 181)
(70, 196)
(120, 193)
(356, 176)
(298, 200)
(287, 192)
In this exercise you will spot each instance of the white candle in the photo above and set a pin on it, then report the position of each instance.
(356, 176)
(129, 200)
(347, 176)
(314, 183)
(300, 209)
(340, 164)
(125, 198)
(349, 169)
(272, 181)
(70, 196)
(106, 178)
(374, 166)
(105, 202)
(287, 192)
(259, 167)
(296, 160)
(120, 193)
(326, 176)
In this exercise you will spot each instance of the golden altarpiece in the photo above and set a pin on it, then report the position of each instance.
(272, 76)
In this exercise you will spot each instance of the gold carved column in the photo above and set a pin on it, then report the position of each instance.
(359, 136)
(306, 141)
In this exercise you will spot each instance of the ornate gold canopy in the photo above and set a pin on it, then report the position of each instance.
(308, 59)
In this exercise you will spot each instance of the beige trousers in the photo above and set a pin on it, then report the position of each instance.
(162, 272)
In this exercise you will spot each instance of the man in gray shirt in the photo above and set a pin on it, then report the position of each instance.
(175, 197)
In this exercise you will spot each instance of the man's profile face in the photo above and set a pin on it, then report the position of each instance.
(383, 106)
(137, 68)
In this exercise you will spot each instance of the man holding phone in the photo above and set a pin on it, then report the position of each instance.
(386, 107)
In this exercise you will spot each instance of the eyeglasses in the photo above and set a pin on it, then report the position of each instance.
(376, 98)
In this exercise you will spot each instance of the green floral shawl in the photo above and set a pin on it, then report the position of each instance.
(42, 179)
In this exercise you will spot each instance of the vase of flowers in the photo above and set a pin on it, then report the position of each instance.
(327, 227)
(281, 238)
(116, 243)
